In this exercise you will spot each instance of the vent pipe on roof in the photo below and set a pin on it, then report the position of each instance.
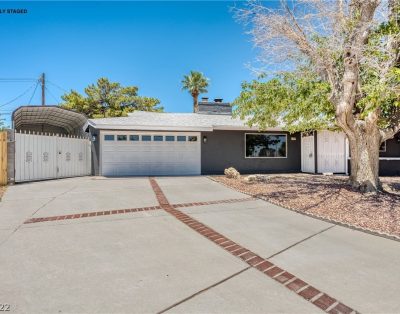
(218, 99)
(204, 99)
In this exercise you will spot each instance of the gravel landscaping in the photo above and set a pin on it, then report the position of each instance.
(329, 197)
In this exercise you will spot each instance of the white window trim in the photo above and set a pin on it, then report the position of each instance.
(267, 133)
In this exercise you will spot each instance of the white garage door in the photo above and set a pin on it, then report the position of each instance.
(150, 153)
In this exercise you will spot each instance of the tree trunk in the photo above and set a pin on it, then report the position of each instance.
(364, 150)
(195, 103)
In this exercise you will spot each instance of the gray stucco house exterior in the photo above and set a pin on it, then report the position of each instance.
(206, 142)
(211, 140)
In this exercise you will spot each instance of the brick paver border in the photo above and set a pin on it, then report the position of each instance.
(91, 214)
(130, 210)
(290, 281)
(232, 200)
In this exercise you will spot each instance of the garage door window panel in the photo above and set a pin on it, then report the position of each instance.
(108, 137)
(122, 137)
(134, 138)
(170, 138)
(146, 138)
(266, 145)
(181, 138)
(158, 138)
(192, 138)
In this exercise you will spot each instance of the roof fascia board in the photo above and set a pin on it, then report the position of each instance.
(172, 128)
(243, 128)
(149, 128)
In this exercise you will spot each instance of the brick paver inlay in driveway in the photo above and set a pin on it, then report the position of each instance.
(290, 281)
(129, 210)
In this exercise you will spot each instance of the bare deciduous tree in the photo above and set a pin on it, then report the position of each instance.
(351, 45)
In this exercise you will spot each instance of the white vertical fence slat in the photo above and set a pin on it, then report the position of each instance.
(49, 156)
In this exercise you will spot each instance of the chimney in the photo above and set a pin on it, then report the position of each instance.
(214, 107)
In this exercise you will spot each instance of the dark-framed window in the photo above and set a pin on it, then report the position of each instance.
(158, 138)
(192, 138)
(122, 137)
(134, 138)
(266, 145)
(146, 138)
(109, 137)
(181, 138)
(169, 138)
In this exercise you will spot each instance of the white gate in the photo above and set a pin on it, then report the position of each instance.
(331, 152)
(45, 156)
(307, 153)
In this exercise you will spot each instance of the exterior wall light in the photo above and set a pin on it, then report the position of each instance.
(204, 139)
(94, 138)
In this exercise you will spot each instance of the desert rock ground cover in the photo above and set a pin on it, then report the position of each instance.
(330, 197)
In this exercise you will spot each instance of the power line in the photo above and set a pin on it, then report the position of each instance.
(18, 97)
(34, 91)
(52, 95)
(13, 80)
(37, 82)
(57, 86)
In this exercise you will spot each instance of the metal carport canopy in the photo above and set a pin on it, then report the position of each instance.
(50, 115)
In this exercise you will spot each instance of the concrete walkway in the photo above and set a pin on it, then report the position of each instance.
(106, 246)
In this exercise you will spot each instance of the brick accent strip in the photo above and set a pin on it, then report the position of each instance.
(232, 200)
(290, 281)
(91, 214)
(131, 210)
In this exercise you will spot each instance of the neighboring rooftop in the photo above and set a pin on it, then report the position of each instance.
(142, 120)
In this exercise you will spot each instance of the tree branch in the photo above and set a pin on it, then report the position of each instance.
(389, 133)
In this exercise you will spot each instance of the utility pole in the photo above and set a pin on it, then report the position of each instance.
(43, 83)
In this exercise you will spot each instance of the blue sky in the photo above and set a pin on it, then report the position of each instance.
(147, 44)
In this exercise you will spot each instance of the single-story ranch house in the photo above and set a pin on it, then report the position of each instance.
(49, 142)
(207, 142)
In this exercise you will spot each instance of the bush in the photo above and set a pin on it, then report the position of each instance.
(232, 173)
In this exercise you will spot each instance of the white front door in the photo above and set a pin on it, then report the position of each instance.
(307, 153)
(331, 152)
(133, 153)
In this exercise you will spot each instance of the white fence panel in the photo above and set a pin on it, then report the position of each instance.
(43, 156)
(331, 152)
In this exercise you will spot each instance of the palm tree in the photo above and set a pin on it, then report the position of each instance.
(195, 83)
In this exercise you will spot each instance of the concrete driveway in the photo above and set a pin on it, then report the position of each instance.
(182, 244)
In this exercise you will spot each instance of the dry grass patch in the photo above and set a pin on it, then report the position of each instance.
(330, 197)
